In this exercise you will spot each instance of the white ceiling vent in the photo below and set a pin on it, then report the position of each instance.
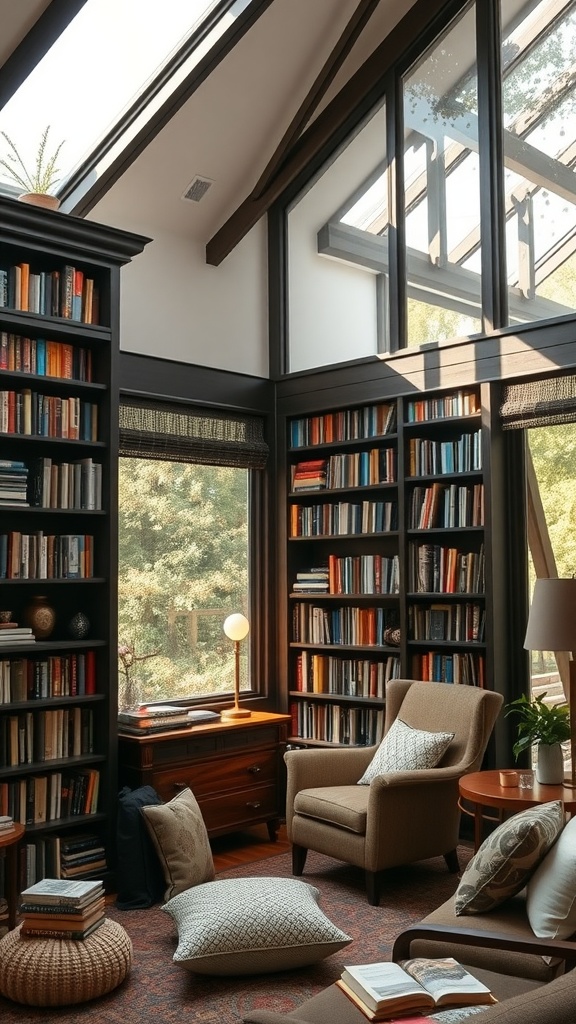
(197, 189)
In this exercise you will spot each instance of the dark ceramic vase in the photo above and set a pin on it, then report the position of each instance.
(79, 626)
(40, 616)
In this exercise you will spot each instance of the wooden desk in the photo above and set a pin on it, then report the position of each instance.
(483, 789)
(9, 844)
(234, 768)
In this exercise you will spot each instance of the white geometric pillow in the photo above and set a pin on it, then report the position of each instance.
(404, 749)
(252, 926)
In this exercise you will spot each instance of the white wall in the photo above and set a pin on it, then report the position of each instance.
(175, 306)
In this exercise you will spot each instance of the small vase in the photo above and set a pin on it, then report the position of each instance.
(40, 616)
(550, 764)
(40, 199)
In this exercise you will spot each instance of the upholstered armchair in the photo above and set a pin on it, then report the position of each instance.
(401, 816)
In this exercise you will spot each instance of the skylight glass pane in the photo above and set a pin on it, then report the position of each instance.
(110, 52)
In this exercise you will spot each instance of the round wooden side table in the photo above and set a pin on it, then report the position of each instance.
(483, 789)
(9, 844)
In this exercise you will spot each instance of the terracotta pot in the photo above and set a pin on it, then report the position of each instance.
(40, 199)
(40, 616)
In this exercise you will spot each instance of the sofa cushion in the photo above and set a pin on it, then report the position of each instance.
(179, 834)
(405, 749)
(551, 895)
(344, 806)
(252, 926)
(508, 857)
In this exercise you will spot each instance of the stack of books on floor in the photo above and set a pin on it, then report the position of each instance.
(162, 717)
(81, 855)
(60, 908)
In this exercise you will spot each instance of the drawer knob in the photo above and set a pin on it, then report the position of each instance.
(254, 804)
(255, 769)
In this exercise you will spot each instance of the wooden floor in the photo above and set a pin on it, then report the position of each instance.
(244, 847)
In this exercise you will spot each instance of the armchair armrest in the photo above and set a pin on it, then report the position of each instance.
(565, 950)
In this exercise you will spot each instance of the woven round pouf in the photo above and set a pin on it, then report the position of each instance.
(59, 972)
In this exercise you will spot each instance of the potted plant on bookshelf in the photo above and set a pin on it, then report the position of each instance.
(37, 180)
(548, 726)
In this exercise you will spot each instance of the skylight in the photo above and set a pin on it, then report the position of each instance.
(95, 73)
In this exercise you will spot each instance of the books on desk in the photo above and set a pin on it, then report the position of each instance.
(162, 717)
(387, 990)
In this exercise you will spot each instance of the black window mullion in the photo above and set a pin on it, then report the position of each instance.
(491, 162)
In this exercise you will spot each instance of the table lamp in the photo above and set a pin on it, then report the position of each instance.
(552, 627)
(236, 627)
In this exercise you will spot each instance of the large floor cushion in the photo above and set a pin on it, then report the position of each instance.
(59, 972)
(345, 806)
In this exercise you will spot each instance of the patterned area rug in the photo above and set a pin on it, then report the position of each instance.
(160, 992)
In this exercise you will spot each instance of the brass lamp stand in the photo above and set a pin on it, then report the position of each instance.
(236, 627)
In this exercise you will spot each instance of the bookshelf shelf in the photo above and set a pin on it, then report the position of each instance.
(58, 377)
(444, 454)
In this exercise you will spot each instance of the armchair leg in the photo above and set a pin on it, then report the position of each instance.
(298, 859)
(372, 888)
(451, 859)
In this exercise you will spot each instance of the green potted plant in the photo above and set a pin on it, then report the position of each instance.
(548, 726)
(38, 180)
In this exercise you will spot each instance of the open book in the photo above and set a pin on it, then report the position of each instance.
(387, 989)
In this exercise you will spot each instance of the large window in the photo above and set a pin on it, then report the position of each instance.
(185, 487)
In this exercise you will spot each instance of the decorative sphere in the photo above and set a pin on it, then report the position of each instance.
(79, 626)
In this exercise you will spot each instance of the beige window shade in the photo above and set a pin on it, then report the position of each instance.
(183, 433)
(539, 403)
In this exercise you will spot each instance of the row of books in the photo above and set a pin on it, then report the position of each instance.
(364, 574)
(59, 675)
(351, 677)
(66, 484)
(348, 469)
(33, 737)
(332, 723)
(49, 908)
(458, 403)
(436, 569)
(28, 413)
(343, 518)
(427, 457)
(53, 856)
(13, 482)
(352, 626)
(40, 556)
(45, 358)
(464, 623)
(66, 292)
(466, 668)
(345, 425)
(57, 795)
(446, 506)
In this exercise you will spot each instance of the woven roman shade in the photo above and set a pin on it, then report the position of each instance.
(539, 403)
(184, 433)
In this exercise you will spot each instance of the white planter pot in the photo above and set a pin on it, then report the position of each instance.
(550, 764)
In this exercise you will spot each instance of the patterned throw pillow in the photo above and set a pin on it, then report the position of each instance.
(404, 749)
(508, 857)
(179, 834)
(252, 926)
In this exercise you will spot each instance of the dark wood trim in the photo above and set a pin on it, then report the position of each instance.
(166, 378)
(277, 293)
(347, 104)
(154, 125)
(35, 44)
(491, 162)
(397, 312)
(353, 29)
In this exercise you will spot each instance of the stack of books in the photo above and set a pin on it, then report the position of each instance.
(6, 823)
(81, 854)
(12, 633)
(392, 991)
(309, 475)
(162, 717)
(58, 908)
(13, 483)
(315, 581)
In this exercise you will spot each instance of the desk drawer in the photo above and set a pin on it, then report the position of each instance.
(218, 775)
(233, 811)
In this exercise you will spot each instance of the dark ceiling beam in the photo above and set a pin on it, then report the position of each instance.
(35, 44)
(353, 29)
(318, 135)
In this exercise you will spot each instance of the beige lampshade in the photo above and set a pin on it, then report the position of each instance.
(552, 619)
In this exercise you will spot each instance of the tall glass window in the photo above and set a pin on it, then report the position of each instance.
(442, 188)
